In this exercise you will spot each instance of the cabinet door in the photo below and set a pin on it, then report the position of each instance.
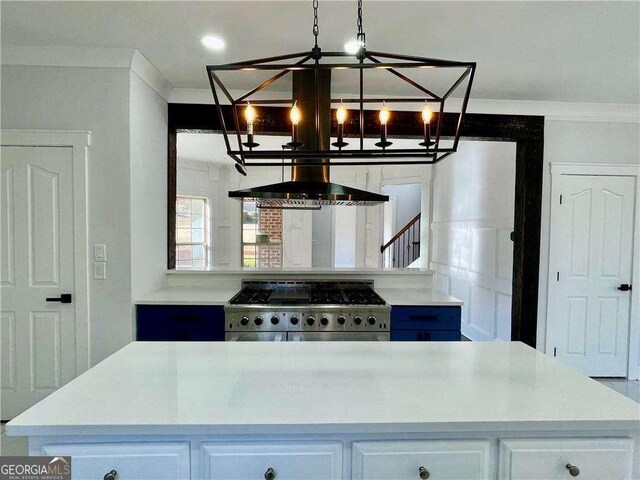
(413, 460)
(285, 461)
(606, 458)
(131, 461)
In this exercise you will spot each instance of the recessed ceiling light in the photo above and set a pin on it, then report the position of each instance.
(352, 47)
(212, 43)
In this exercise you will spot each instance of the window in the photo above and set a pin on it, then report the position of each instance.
(192, 233)
(261, 237)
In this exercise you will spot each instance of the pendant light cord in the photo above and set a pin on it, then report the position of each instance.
(360, 36)
(316, 29)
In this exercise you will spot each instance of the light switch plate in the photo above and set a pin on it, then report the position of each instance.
(100, 252)
(99, 270)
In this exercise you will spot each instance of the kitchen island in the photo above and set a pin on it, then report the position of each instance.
(169, 410)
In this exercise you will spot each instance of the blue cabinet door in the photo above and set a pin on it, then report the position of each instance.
(425, 324)
(425, 336)
(179, 323)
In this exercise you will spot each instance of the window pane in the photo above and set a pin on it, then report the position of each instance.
(184, 252)
(183, 235)
(197, 235)
(183, 220)
(197, 206)
(198, 252)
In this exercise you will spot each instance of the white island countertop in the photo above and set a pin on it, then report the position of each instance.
(220, 296)
(285, 388)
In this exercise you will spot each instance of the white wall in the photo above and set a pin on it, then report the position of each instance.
(472, 218)
(95, 99)
(409, 202)
(574, 141)
(148, 157)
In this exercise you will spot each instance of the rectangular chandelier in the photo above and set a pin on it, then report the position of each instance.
(351, 142)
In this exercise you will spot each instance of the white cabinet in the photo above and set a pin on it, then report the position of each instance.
(272, 461)
(131, 461)
(551, 459)
(415, 460)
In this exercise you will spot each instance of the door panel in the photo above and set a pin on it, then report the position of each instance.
(590, 256)
(36, 221)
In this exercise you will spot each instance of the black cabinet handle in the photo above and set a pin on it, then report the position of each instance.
(111, 475)
(64, 298)
(424, 473)
(625, 287)
(270, 474)
(573, 470)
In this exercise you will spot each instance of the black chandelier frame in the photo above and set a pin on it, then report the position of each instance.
(430, 152)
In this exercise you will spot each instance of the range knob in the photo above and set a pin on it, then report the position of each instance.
(244, 321)
(311, 320)
(371, 320)
(324, 321)
(357, 320)
(258, 321)
(342, 320)
(294, 320)
(275, 320)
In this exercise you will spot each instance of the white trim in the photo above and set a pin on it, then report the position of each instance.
(591, 169)
(79, 141)
(89, 57)
(150, 75)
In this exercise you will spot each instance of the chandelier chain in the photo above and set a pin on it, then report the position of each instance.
(359, 18)
(316, 29)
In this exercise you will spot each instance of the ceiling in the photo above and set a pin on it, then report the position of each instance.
(547, 51)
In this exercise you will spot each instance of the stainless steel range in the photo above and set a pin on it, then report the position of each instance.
(307, 311)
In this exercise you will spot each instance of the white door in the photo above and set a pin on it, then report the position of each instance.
(37, 262)
(592, 222)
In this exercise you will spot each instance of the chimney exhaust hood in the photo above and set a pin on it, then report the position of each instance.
(310, 185)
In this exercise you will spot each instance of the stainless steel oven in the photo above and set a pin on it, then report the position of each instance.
(307, 311)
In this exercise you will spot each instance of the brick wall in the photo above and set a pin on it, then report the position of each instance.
(270, 223)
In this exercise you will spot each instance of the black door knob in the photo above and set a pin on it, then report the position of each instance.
(424, 473)
(573, 470)
(64, 298)
(270, 474)
(111, 475)
(625, 287)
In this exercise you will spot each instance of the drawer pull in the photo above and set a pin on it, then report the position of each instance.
(270, 474)
(424, 473)
(573, 470)
(111, 475)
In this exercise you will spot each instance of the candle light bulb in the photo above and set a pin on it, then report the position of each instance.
(250, 114)
(294, 114)
(426, 114)
(384, 114)
(341, 114)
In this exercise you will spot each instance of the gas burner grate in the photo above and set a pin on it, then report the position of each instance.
(250, 296)
(363, 296)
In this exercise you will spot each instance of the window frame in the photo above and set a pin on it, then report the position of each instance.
(257, 245)
(206, 243)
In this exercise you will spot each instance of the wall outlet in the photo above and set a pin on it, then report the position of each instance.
(100, 252)
(99, 270)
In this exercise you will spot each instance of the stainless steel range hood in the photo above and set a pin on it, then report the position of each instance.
(310, 185)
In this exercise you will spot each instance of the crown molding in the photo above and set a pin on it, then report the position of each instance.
(88, 57)
(552, 111)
